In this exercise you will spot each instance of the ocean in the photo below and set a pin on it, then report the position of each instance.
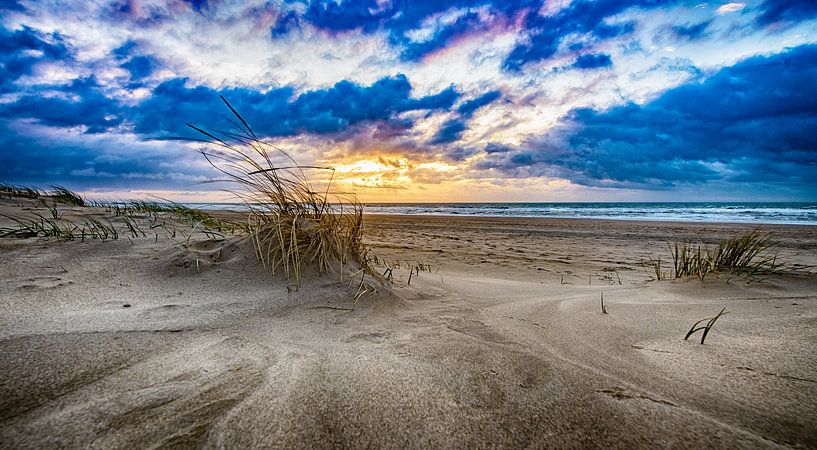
(800, 213)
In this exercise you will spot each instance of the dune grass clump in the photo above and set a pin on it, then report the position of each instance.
(748, 255)
(11, 190)
(293, 222)
(63, 195)
(58, 194)
(63, 230)
(155, 212)
(132, 219)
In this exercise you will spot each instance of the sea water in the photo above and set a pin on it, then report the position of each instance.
(803, 213)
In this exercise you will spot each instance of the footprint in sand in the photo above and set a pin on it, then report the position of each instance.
(376, 337)
(170, 310)
(620, 393)
(43, 282)
(475, 329)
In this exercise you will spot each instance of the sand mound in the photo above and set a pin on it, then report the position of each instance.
(237, 256)
(233, 252)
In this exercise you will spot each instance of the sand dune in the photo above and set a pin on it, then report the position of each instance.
(502, 343)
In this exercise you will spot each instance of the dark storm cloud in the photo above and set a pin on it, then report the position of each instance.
(750, 122)
(416, 50)
(21, 50)
(137, 61)
(94, 165)
(278, 112)
(140, 66)
(593, 61)
(79, 104)
(443, 100)
(468, 108)
(11, 5)
(398, 17)
(125, 50)
(541, 34)
(198, 5)
(690, 32)
(459, 154)
(450, 131)
(772, 11)
(493, 147)
(581, 17)
(286, 22)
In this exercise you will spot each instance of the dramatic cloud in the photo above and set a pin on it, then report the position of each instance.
(22, 49)
(426, 98)
(279, 112)
(438, 22)
(80, 104)
(421, 28)
(580, 18)
(752, 122)
(40, 155)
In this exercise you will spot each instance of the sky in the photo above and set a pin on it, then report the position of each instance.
(419, 101)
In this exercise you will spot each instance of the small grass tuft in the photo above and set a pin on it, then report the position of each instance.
(705, 328)
(654, 269)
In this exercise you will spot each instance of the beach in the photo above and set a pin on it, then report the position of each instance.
(499, 341)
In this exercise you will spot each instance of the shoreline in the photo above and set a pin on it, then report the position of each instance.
(226, 212)
(557, 218)
(599, 219)
(698, 211)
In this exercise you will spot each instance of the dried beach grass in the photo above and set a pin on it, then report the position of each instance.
(750, 255)
(292, 221)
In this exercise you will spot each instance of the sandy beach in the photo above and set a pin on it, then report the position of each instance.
(162, 341)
